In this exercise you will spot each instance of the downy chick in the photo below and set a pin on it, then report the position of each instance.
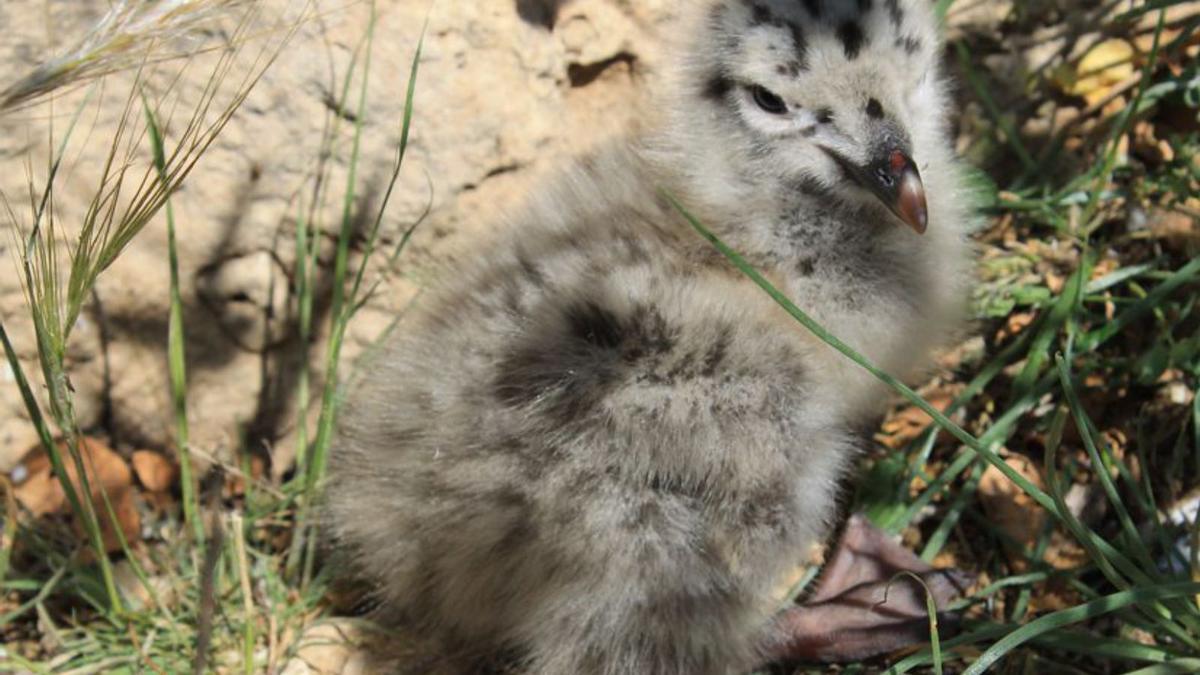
(600, 448)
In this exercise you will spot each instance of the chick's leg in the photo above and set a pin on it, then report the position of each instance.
(865, 604)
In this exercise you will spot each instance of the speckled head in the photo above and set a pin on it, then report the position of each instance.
(838, 96)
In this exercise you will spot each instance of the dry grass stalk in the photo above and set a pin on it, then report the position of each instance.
(130, 33)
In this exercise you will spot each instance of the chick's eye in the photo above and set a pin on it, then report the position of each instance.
(768, 100)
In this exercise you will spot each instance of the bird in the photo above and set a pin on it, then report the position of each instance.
(597, 447)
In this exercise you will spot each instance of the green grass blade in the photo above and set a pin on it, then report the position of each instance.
(345, 304)
(176, 360)
(1101, 470)
(1170, 668)
(1084, 612)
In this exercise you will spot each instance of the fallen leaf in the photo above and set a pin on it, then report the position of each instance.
(155, 472)
(1145, 42)
(1015, 513)
(1178, 231)
(1101, 68)
(1020, 518)
(1014, 324)
(41, 493)
(908, 423)
(1104, 266)
(1148, 146)
(1053, 595)
(235, 483)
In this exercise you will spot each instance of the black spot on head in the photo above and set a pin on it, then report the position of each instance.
(760, 14)
(910, 45)
(824, 116)
(716, 87)
(789, 69)
(851, 35)
(874, 109)
(799, 44)
(805, 267)
(895, 12)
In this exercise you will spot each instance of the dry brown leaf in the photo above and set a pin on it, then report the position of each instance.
(1064, 553)
(127, 515)
(1052, 596)
(235, 483)
(1178, 231)
(40, 492)
(1145, 43)
(1101, 68)
(1147, 145)
(908, 423)
(1013, 511)
(1055, 281)
(155, 472)
(1020, 517)
(1014, 324)
(1104, 266)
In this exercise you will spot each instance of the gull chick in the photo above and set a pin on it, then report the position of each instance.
(598, 448)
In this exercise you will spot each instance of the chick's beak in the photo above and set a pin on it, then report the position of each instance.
(899, 186)
(893, 178)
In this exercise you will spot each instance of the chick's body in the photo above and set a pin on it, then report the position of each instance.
(600, 449)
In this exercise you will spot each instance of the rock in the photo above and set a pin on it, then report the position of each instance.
(157, 591)
(333, 647)
(17, 435)
(249, 296)
(507, 89)
(976, 17)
